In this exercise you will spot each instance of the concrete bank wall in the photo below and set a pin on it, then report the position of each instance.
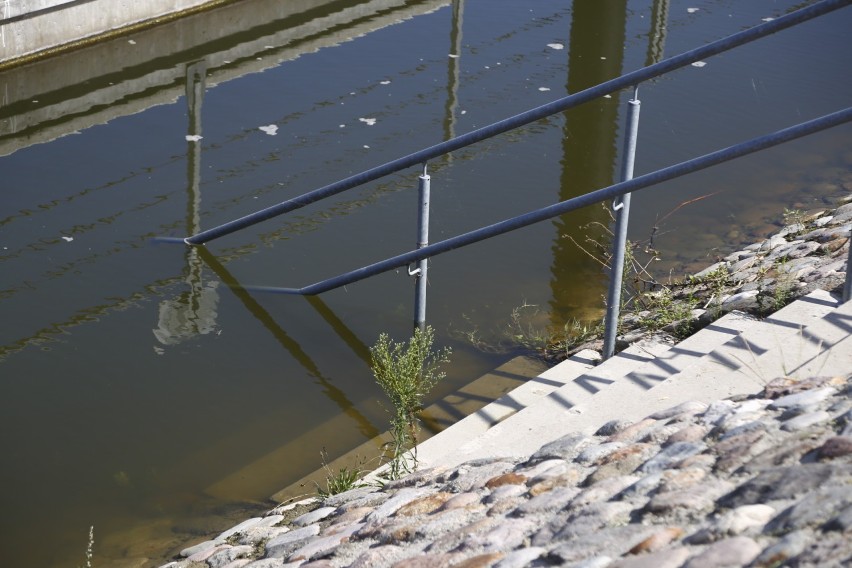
(29, 27)
(56, 96)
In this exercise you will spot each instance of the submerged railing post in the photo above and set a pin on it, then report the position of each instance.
(420, 273)
(622, 213)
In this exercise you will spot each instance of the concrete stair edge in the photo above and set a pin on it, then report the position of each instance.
(430, 451)
(823, 347)
(513, 436)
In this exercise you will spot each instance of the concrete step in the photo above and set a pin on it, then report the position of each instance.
(575, 378)
(822, 348)
(725, 343)
(514, 401)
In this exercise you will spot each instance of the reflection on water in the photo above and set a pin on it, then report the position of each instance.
(192, 312)
(589, 152)
(241, 392)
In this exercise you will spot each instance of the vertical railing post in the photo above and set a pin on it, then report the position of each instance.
(622, 214)
(420, 273)
(847, 286)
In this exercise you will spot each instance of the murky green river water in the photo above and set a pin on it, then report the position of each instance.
(141, 387)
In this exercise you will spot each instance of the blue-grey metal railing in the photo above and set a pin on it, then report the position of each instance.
(545, 213)
(619, 191)
(628, 80)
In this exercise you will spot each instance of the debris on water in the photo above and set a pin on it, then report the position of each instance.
(384, 82)
(368, 121)
(544, 89)
(699, 64)
(68, 239)
(555, 46)
(454, 55)
(193, 137)
(131, 42)
(692, 10)
(767, 19)
(271, 129)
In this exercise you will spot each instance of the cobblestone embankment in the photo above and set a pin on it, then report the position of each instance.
(761, 481)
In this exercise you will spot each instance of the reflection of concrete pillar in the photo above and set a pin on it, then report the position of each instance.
(196, 76)
(193, 312)
(589, 151)
(657, 35)
(453, 72)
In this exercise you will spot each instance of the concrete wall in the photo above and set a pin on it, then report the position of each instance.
(61, 95)
(28, 27)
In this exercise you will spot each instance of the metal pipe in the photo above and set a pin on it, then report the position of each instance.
(622, 217)
(607, 193)
(522, 119)
(423, 192)
(847, 286)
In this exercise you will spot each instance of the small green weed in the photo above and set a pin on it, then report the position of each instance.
(338, 481)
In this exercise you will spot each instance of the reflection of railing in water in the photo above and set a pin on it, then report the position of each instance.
(194, 312)
(616, 191)
(292, 346)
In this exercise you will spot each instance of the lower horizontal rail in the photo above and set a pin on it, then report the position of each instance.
(607, 193)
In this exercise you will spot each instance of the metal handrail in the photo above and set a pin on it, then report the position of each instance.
(545, 213)
(560, 105)
(620, 191)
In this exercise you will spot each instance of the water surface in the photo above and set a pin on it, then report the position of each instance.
(141, 388)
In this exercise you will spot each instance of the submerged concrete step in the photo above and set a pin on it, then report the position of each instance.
(633, 397)
(438, 416)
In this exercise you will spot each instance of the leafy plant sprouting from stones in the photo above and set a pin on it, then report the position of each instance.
(406, 372)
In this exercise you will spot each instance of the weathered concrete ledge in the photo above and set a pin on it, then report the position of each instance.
(31, 27)
(68, 93)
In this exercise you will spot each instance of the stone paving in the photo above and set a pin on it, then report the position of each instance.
(762, 480)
